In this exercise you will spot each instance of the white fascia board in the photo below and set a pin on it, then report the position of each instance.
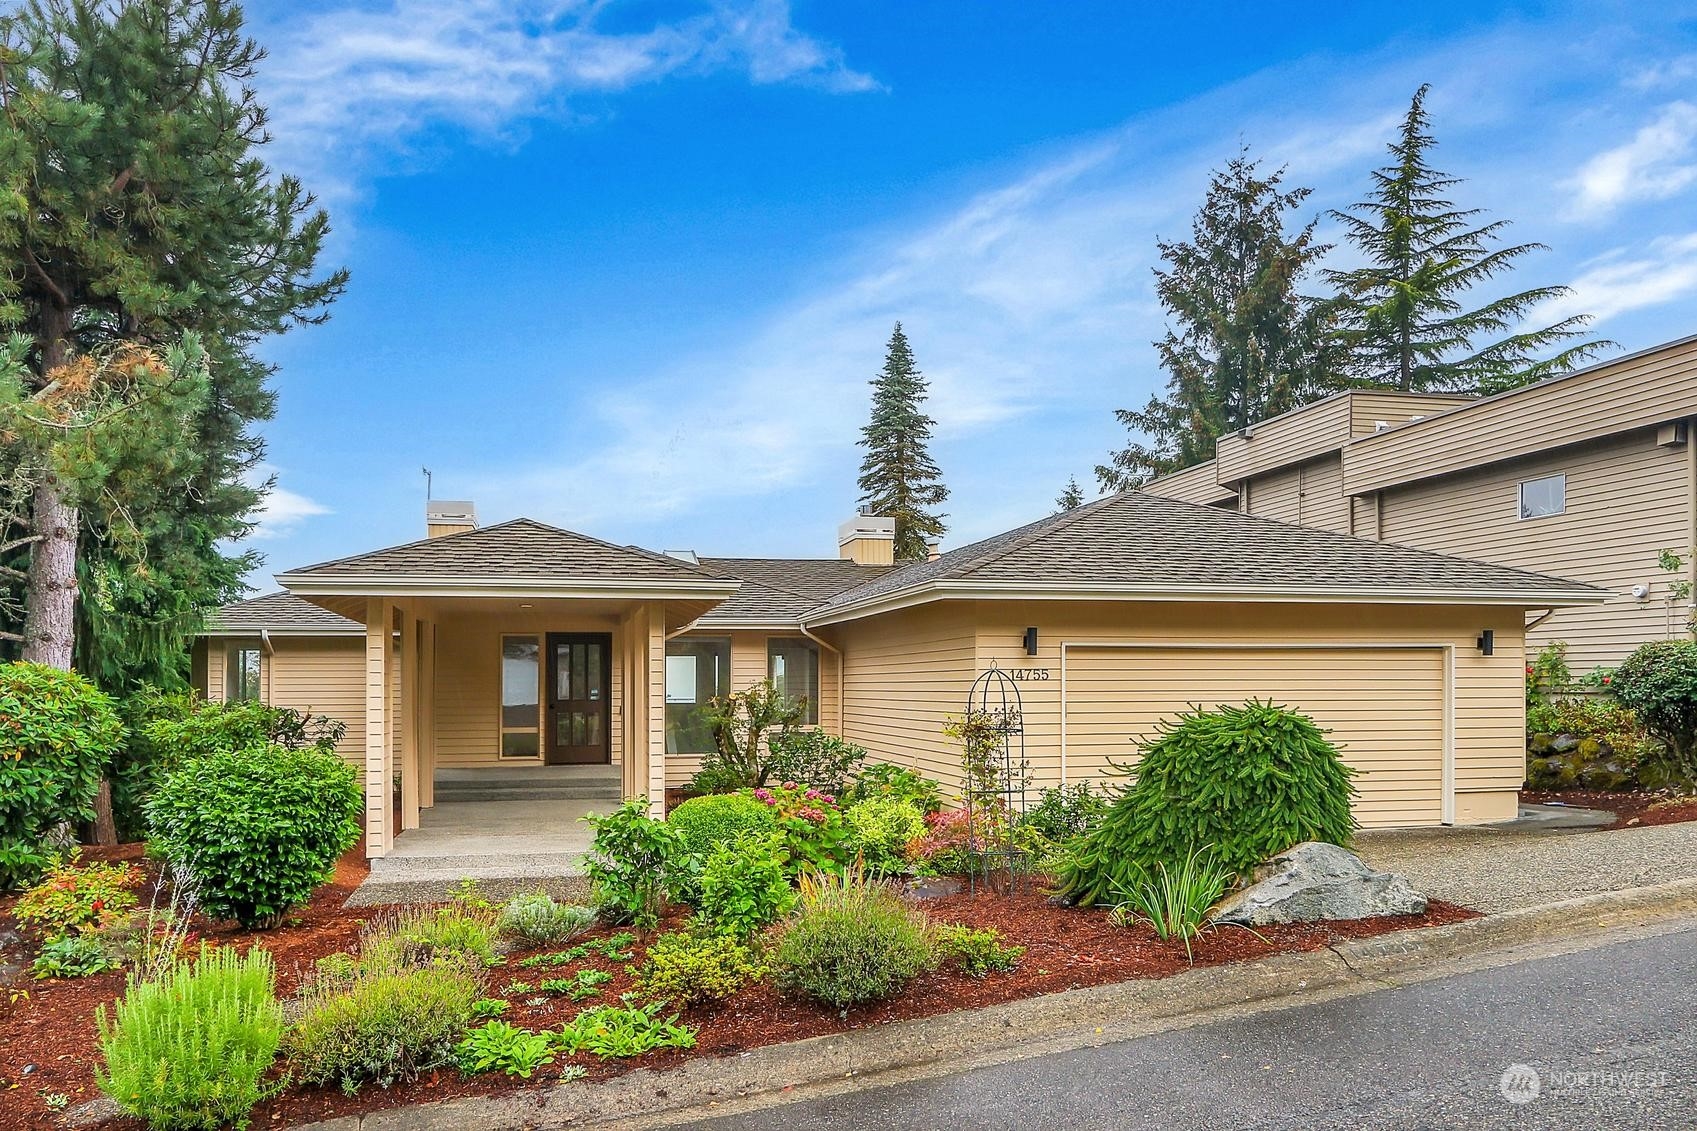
(401, 586)
(1062, 591)
(355, 630)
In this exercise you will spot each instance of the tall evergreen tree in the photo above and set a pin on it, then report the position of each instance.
(1243, 342)
(898, 477)
(1071, 498)
(134, 207)
(1401, 314)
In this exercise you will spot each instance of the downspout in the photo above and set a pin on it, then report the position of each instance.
(838, 653)
(1539, 619)
(1691, 521)
(270, 651)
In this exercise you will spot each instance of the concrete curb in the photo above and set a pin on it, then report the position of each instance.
(1068, 1019)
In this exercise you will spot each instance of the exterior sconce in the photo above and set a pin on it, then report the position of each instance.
(1031, 642)
(1488, 642)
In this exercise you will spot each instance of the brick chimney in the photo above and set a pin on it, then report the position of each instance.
(868, 540)
(449, 516)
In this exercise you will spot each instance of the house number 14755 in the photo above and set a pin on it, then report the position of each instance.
(1029, 675)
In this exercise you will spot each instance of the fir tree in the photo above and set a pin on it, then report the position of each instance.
(898, 477)
(134, 207)
(1401, 314)
(1070, 499)
(1244, 343)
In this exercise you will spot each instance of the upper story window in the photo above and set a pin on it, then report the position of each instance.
(794, 667)
(1546, 496)
(241, 672)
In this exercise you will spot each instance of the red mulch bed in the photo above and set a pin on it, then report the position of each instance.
(1066, 948)
(1631, 810)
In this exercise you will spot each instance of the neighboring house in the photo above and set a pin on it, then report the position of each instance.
(1590, 475)
(521, 643)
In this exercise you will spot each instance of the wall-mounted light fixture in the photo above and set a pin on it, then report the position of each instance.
(1488, 642)
(1031, 642)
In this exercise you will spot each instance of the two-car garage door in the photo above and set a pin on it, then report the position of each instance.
(1384, 707)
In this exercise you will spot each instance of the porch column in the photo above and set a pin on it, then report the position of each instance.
(656, 704)
(411, 759)
(427, 713)
(633, 762)
(379, 830)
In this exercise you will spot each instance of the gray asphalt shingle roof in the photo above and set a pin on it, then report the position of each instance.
(1135, 539)
(278, 612)
(520, 548)
(784, 589)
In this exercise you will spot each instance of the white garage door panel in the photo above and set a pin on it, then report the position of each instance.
(1383, 707)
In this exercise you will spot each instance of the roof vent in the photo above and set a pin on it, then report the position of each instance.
(449, 516)
(684, 556)
(1381, 425)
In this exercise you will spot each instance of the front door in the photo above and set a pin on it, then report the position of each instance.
(579, 683)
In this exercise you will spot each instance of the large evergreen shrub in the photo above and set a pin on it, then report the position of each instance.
(707, 822)
(260, 828)
(57, 735)
(854, 942)
(1239, 783)
(1659, 683)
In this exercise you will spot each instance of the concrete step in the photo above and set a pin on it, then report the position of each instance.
(518, 792)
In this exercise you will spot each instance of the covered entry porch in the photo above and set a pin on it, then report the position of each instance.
(503, 653)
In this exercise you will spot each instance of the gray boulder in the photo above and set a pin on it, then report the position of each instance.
(1315, 881)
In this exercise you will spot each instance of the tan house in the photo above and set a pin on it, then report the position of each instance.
(1590, 475)
(494, 650)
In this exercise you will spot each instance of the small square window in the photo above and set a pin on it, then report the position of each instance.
(1541, 497)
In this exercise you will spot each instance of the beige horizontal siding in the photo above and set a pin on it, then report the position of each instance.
(1634, 392)
(321, 676)
(1368, 408)
(1308, 494)
(1291, 438)
(1196, 484)
(1489, 691)
(1626, 501)
(904, 675)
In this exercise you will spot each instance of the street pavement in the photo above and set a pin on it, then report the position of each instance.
(1597, 1039)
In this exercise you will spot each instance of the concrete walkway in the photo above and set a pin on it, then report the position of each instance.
(1496, 868)
(506, 846)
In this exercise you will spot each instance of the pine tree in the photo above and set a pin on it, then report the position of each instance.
(898, 477)
(1070, 499)
(134, 207)
(1244, 343)
(1401, 315)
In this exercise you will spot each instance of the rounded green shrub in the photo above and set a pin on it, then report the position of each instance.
(1658, 682)
(383, 1029)
(687, 969)
(707, 822)
(1240, 783)
(854, 942)
(190, 1049)
(57, 736)
(879, 830)
(744, 884)
(259, 828)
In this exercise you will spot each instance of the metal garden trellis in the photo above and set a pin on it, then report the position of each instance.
(993, 735)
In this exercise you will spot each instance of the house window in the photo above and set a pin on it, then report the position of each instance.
(241, 672)
(794, 668)
(521, 696)
(697, 669)
(1541, 497)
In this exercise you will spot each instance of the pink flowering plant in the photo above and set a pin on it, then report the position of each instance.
(812, 823)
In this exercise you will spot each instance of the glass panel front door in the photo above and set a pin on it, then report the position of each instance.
(578, 693)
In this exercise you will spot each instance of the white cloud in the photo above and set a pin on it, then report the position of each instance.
(352, 83)
(281, 511)
(1618, 282)
(1678, 71)
(1656, 164)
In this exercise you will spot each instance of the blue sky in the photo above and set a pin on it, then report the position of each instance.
(627, 267)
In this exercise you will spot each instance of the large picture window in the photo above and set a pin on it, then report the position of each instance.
(793, 665)
(521, 696)
(241, 672)
(697, 669)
